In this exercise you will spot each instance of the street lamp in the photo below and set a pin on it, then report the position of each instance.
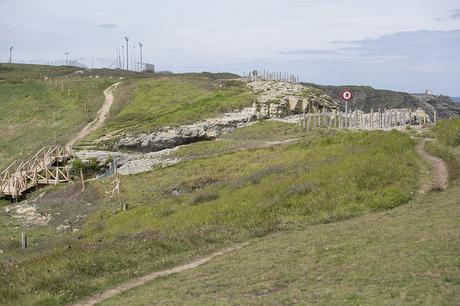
(127, 53)
(66, 53)
(11, 54)
(140, 53)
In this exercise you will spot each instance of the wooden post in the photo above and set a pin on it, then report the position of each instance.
(24, 244)
(304, 118)
(372, 118)
(324, 117)
(314, 120)
(62, 86)
(434, 117)
(309, 122)
(82, 180)
(340, 120)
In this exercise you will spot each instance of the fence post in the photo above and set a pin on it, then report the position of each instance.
(82, 180)
(24, 240)
(304, 119)
(372, 118)
(309, 121)
(434, 117)
(314, 120)
(324, 117)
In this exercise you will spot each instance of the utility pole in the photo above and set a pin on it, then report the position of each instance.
(118, 58)
(92, 61)
(122, 57)
(133, 65)
(11, 54)
(127, 53)
(140, 50)
(66, 53)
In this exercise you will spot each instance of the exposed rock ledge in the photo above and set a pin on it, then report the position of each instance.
(170, 137)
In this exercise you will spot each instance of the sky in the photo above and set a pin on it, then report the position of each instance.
(406, 45)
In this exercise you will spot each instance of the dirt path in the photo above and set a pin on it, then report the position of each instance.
(144, 279)
(101, 115)
(441, 175)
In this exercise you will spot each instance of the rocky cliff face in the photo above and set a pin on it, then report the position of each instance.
(366, 97)
(275, 100)
(170, 137)
(279, 99)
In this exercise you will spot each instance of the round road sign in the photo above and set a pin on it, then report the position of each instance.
(347, 95)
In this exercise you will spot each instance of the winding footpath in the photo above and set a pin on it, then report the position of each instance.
(439, 182)
(102, 115)
(105, 295)
(440, 179)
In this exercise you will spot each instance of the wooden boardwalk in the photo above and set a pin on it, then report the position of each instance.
(47, 167)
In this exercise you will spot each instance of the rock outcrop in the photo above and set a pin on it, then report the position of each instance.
(170, 137)
(279, 99)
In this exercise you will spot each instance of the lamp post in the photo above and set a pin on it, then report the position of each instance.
(140, 54)
(66, 53)
(11, 54)
(127, 53)
(123, 57)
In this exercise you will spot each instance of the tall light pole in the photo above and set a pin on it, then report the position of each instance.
(140, 53)
(11, 54)
(123, 57)
(118, 58)
(66, 53)
(127, 53)
(133, 65)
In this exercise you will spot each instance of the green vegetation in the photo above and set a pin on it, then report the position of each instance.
(407, 256)
(448, 132)
(36, 113)
(198, 206)
(176, 100)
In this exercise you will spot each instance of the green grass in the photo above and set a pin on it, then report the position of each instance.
(448, 132)
(406, 256)
(175, 100)
(259, 135)
(446, 154)
(35, 114)
(222, 199)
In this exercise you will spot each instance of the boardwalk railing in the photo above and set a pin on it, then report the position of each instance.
(379, 120)
(47, 167)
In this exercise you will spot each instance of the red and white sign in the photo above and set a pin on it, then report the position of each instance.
(347, 95)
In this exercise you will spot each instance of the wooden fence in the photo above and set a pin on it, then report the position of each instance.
(379, 120)
(47, 167)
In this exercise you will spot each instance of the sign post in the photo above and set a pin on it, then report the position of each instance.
(347, 95)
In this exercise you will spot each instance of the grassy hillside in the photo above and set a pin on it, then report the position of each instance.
(175, 100)
(36, 113)
(198, 206)
(407, 256)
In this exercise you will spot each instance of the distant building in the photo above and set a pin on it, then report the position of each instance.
(428, 92)
(148, 68)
